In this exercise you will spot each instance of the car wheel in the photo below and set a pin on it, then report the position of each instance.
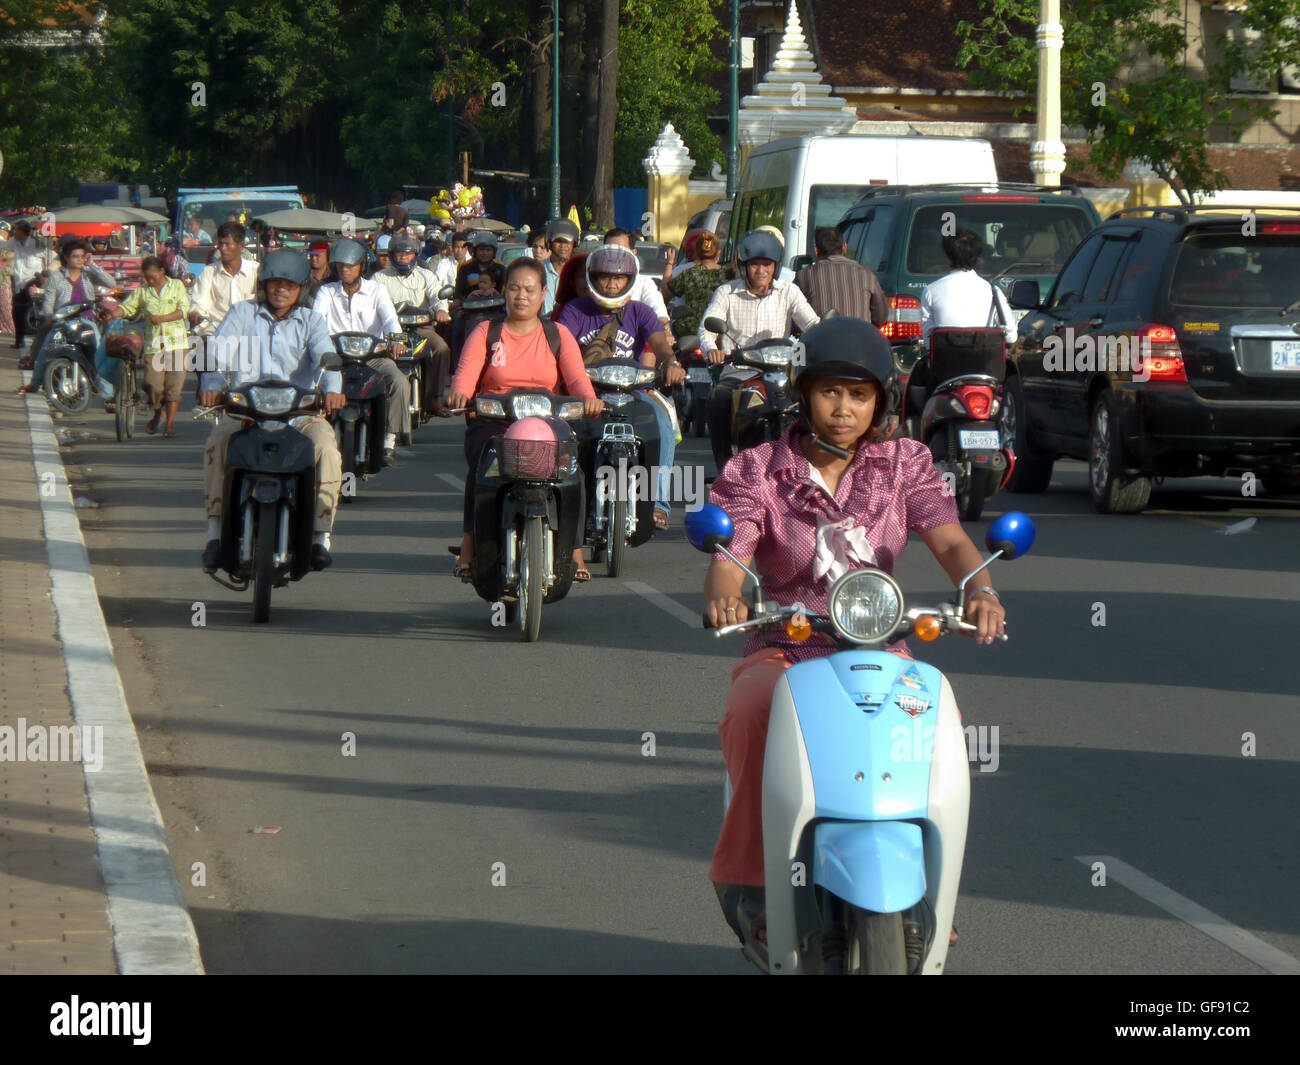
(1033, 473)
(1112, 491)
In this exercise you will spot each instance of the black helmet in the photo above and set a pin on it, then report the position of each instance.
(849, 349)
(349, 252)
(286, 266)
(760, 245)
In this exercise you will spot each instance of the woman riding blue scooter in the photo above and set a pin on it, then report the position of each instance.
(828, 497)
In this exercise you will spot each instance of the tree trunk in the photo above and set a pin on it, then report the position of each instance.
(602, 199)
(571, 108)
(537, 117)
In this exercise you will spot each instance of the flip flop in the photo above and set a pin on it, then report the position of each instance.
(169, 434)
(464, 572)
(582, 575)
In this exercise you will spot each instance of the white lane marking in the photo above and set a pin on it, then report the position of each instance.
(667, 604)
(152, 930)
(1265, 955)
(457, 483)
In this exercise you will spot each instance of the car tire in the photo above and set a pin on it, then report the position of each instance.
(1032, 473)
(1112, 491)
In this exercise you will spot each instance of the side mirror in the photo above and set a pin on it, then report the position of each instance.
(446, 292)
(1012, 534)
(708, 528)
(332, 362)
(832, 313)
(715, 325)
(1024, 295)
(800, 261)
(686, 343)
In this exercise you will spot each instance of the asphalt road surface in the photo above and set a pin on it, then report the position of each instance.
(479, 758)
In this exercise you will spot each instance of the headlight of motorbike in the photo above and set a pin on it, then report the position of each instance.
(775, 356)
(532, 407)
(866, 605)
(272, 400)
(355, 347)
(646, 377)
(615, 376)
(489, 408)
(616, 400)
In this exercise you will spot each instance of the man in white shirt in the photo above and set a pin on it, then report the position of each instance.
(195, 234)
(407, 284)
(29, 261)
(354, 304)
(755, 308)
(645, 290)
(230, 280)
(961, 299)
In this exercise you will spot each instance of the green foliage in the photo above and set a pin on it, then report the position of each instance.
(664, 65)
(1123, 77)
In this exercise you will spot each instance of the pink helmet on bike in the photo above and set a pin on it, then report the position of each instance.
(529, 450)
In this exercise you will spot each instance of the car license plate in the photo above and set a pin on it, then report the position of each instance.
(1286, 354)
(700, 374)
(982, 440)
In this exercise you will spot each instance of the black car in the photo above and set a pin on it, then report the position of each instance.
(1169, 346)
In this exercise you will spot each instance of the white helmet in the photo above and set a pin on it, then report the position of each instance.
(612, 259)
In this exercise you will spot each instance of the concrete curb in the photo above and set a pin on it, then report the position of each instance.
(152, 930)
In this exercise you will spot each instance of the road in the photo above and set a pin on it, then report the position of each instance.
(481, 759)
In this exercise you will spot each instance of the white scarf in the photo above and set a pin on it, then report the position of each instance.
(841, 546)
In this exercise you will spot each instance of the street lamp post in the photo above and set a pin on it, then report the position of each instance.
(555, 109)
(733, 137)
(1047, 154)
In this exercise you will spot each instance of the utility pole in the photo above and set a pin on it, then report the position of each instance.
(733, 137)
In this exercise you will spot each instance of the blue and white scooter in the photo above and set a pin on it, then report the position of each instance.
(866, 784)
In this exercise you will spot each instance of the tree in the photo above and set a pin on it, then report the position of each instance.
(1124, 78)
(57, 122)
(665, 64)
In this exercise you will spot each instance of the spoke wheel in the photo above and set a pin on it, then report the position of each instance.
(68, 397)
(264, 562)
(532, 570)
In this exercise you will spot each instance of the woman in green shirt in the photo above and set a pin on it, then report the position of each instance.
(696, 285)
(163, 303)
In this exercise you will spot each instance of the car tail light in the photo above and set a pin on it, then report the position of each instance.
(1163, 355)
(904, 322)
(1280, 227)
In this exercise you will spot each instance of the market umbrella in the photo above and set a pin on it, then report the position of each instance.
(492, 225)
(417, 205)
(96, 213)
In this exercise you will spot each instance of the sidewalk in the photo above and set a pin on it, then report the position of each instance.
(78, 894)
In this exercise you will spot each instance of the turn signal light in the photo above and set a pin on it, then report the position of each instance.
(798, 628)
(904, 322)
(927, 628)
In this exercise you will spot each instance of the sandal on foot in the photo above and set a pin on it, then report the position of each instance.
(169, 434)
(464, 571)
(152, 427)
(661, 519)
(582, 574)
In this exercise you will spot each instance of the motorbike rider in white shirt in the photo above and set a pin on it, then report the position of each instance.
(407, 284)
(355, 304)
(961, 299)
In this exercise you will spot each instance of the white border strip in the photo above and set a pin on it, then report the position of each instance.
(1252, 948)
(152, 930)
(693, 619)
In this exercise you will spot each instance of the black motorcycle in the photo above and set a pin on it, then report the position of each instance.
(70, 378)
(693, 412)
(527, 505)
(360, 426)
(619, 450)
(769, 404)
(269, 490)
(411, 318)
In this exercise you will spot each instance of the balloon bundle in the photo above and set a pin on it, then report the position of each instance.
(459, 204)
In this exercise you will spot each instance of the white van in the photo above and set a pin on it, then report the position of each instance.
(802, 183)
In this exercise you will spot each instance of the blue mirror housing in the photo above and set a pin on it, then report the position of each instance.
(708, 528)
(1012, 534)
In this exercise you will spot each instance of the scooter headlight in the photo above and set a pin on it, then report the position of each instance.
(866, 606)
(616, 400)
(615, 376)
(355, 347)
(531, 407)
(777, 355)
(272, 400)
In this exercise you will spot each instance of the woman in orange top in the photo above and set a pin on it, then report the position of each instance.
(523, 360)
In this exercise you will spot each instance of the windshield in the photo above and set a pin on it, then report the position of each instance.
(653, 258)
(827, 204)
(1011, 232)
(212, 213)
(1225, 270)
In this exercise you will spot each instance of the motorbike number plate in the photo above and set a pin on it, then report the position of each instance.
(981, 439)
(1286, 354)
(699, 373)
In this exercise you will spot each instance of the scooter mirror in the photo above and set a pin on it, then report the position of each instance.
(715, 325)
(446, 292)
(332, 362)
(688, 343)
(708, 528)
(1012, 534)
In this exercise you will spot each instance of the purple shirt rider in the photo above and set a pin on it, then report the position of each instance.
(584, 318)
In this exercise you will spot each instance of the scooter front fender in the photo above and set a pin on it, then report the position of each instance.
(877, 865)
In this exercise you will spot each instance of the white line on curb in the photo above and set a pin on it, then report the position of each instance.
(1265, 955)
(451, 479)
(152, 930)
(666, 603)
